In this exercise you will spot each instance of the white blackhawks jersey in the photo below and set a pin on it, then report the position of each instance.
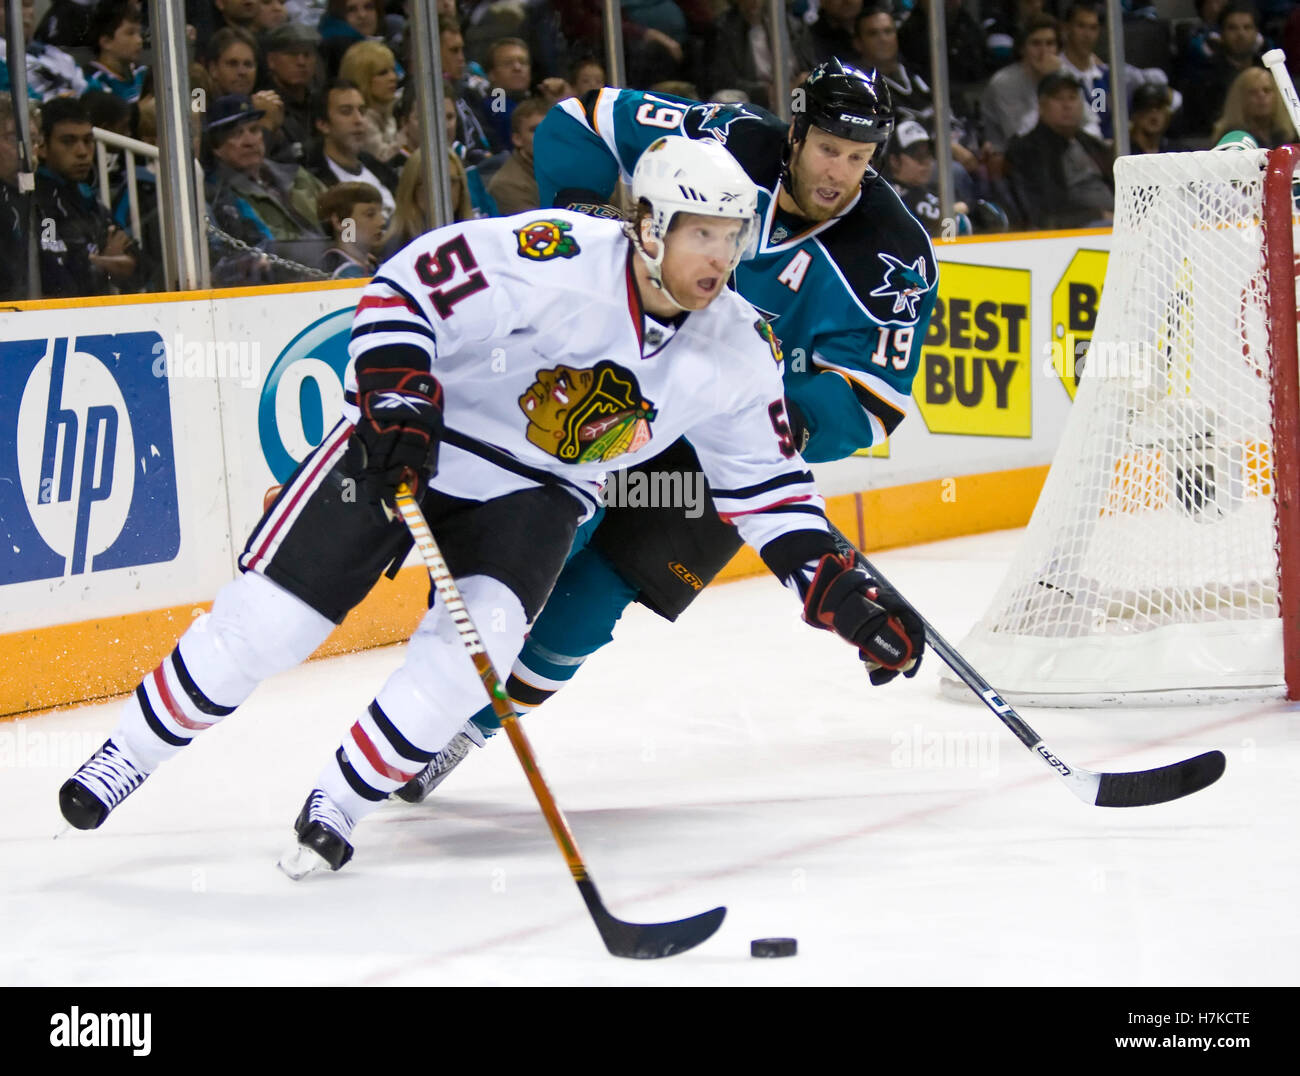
(549, 368)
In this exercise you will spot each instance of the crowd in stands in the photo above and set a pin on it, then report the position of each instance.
(310, 139)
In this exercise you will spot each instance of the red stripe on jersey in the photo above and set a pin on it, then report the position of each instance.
(288, 508)
(368, 749)
(634, 304)
(169, 701)
(727, 517)
(371, 302)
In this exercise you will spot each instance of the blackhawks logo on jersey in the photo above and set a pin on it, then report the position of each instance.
(542, 240)
(765, 331)
(584, 416)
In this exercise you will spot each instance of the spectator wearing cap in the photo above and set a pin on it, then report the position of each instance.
(909, 167)
(232, 71)
(82, 251)
(118, 40)
(372, 68)
(742, 57)
(514, 188)
(1149, 118)
(1009, 105)
(291, 63)
(1060, 175)
(253, 199)
(338, 155)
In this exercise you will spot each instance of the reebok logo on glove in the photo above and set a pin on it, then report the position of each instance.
(386, 401)
(886, 630)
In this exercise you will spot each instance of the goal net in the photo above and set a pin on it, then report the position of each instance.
(1151, 569)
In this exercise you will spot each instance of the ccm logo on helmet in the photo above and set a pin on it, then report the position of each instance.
(846, 117)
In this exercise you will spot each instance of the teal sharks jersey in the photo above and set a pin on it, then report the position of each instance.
(848, 299)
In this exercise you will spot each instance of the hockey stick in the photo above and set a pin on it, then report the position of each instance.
(641, 941)
(1275, 61)
(1139, 788)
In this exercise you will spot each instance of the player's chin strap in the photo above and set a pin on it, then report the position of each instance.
(654, 263)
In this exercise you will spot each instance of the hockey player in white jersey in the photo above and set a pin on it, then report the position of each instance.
(503, 367)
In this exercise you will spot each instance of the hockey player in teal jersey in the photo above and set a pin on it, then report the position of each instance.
(847, 279)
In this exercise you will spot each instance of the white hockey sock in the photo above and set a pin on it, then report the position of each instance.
(255, 630)
(425, 702)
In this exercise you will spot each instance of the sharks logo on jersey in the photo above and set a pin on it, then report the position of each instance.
(716, 120)
(583, 415)
(905, 283)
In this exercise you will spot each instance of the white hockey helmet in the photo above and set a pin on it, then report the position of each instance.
(688, 175)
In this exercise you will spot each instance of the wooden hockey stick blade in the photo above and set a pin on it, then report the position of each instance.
(1144, 787)
(648, 941)
(636, 941)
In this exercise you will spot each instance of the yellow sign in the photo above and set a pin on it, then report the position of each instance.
(1075, 300)
(977, 365)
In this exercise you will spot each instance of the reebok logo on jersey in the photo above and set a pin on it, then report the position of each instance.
(542, 240)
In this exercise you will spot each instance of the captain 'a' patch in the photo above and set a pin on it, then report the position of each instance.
(542, 240)
(581, 416)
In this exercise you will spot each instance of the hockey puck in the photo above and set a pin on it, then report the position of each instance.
(769, 947)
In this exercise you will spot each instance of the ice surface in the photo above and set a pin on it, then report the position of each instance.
(738, 758)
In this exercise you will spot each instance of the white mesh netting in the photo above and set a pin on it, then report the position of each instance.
(1149, 565)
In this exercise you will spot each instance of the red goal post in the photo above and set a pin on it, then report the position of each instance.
(1281, 267)
(1162, 562)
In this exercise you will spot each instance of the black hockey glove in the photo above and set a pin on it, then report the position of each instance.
(400, 425)
(872, 616)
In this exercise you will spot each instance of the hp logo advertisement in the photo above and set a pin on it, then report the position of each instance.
(87, 465)
(303, 393)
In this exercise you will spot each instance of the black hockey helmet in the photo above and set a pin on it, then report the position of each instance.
(843, 101)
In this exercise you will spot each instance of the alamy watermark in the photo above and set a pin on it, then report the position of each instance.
(21, 748)
(77, 1028)
(918, 749)
(655, 489)
(236, 360)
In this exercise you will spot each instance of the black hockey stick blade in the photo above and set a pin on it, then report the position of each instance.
(1162, 784)
(648, 941)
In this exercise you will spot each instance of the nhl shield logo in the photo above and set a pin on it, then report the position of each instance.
(542, 240)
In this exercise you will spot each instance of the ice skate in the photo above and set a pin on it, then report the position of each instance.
(439, 768)
(323, 830)
(103, 781)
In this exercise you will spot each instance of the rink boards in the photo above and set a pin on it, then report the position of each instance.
(141, 435)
